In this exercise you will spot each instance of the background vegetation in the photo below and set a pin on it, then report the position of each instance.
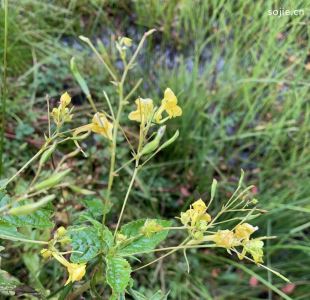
(242, 79)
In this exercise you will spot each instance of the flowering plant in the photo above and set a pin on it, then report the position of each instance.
(89, 248)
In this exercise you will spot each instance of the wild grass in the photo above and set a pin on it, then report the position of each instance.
(243, 84)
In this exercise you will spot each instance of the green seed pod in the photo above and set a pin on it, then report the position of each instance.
(50, 182)
(79, 190)
(153, 145)
(47, 154)
(30, 208)
(170, 141)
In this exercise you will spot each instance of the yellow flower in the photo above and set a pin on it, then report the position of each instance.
(243, 231)
(200, 206)
(169, 104)
(62, 113)
(76, 272)
(46, 253)
(65, 99)
(101, 125)
(150, 227)
(225, 239)
(126, 41)
(144, 110)
(61, 232)
(255, 248)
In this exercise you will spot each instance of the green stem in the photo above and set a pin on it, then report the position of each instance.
(26, 164)
(4, 84)
(118, 116)
(163, 256)
(135, 172)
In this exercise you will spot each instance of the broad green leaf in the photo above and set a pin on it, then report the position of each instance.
(89, 240)
(38, 219)
(142, 243)
(85, 239)
(118, 274)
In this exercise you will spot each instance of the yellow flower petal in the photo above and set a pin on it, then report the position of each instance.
(144, 110)
(169, 96)
(243, 231)
(199, 206)
(76, 272)
(169, 104)
(101, 125)
(225, 239)
(65, 99)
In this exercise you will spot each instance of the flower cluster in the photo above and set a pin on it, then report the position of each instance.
(62, 113)
(196, 219)
(240, 237)
(198, 222)
(145, 109)
(76, 271)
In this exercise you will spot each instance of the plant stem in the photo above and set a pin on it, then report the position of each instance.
(121, 103)
(4, 84)
(135, 172)
(163, 256)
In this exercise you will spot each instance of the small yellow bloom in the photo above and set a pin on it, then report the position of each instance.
(61, 232)
(61, 114)
(127, 41)
(144, 110)
(101, 125)
(76, 272)
(225, 239)
(150, 227)
(199, 206)
(169, 104)
(243, 231)
(255, 248)
(65, 99)
(46, 253)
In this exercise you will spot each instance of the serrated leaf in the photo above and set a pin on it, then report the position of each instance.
(38, 219)
(89, 240)
(118, 274)
(142, 243)
(85, 239)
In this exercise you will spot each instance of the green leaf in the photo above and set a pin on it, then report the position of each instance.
(85, 239)
(8, 283)
(89, 240)
(38, 219)
(142, 243)
(9, 232)
(79, 78)
(94, 205)
(118, 274)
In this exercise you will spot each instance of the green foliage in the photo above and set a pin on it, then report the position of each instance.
(87, 240)
(118, 274)
(37, 219)
(245, 106)
(8, 283)
(141, 243)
